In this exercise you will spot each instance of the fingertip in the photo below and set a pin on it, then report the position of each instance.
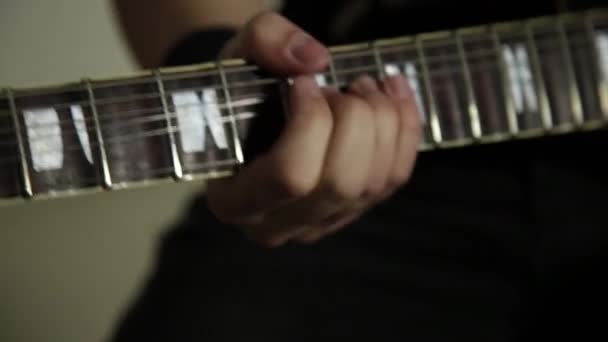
(364, 85)
(304, 88)
(330, 91)
(307, 52)
(397, 87)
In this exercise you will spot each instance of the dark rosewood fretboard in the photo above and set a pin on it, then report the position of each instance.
(475, 85)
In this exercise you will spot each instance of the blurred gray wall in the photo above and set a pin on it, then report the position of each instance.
(69, 267)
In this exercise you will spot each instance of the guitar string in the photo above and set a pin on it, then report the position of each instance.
(146, 134)
(120, 115)
(118, 119)
(441, 70)
(127, 137)
(221, 105)
(137, 119)
(450, 57)
(13, 160)
(149, 174)
(108, 138)
(163, 131)
(161, 116)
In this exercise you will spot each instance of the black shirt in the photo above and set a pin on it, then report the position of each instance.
(489, 243)
(348, 21)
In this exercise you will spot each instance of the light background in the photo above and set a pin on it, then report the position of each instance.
(69, 267)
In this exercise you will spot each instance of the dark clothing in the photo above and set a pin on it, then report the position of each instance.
(489, 243)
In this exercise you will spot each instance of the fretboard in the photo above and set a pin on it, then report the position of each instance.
(487, 84)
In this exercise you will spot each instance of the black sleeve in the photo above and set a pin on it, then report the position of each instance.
(198, 47)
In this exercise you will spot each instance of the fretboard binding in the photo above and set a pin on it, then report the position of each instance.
(210, 170)
(26, 182)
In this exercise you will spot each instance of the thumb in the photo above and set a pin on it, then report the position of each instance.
(279, 46)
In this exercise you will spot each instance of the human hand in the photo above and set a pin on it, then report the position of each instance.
(339, 154)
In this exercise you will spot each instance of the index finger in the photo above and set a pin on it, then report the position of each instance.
(291, 168)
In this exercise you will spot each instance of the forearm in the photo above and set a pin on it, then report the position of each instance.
(152, 27)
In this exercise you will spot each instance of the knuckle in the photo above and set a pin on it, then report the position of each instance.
(256, 29)
(399, 179)
(263, 238)
(375, 189)
(262, 18)
(294, 184)
(382, 104)
(373, 193)
(340, 190)
(318, 110)
(411, 121)
(351, 105)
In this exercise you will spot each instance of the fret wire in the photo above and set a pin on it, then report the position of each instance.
(379, 62)
(235, 133)
(171, 76)
(178, 171)
(209, 73)
(219, 163)
(130, 98)
(543, 98)
(136, 136)
(26, 180)
(5, 159)
(242, 101)
(332, 71)
(103, 157)
(67, 125)
(284, 96)
(602, 87)
(123, 99)
(114, 115)
(215, 87)
(575, 95)
(434, 117)
(508, 96)
(269, 81)
(473, 108)
(233, 86)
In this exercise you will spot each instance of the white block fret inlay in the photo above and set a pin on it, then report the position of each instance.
(411, 75)
(601, 41)
(194, 113)
(520, 78)
(321, 80)
(44, 139)
(81, 130)
(526, 78)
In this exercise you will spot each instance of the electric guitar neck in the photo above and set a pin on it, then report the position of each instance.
(477, 85)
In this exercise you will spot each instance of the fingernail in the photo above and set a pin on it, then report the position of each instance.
(306, 50)
(306, 87)
(365, 84)
(397, 87)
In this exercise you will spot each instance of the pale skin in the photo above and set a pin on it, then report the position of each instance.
(340, 154)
